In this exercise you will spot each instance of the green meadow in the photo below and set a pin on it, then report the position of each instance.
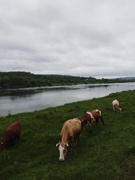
(103, 153)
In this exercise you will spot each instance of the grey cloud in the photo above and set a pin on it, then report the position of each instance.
(86, 38)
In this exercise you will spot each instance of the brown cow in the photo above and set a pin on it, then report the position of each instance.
(92, 116)
(11, 135)
(69, 136)
(116, 107)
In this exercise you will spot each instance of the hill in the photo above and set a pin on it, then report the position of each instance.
(26, 79)
(104, 152)
(126, 78)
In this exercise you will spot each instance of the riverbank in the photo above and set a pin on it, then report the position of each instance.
(103, 151)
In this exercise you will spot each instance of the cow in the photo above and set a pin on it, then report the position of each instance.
(69, 136)
(91, 116)
(11, 135)
(116, 107)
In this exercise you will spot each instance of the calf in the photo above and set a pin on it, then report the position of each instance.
(69, 136)
(11, 135)
(92, 116)
(116, 107)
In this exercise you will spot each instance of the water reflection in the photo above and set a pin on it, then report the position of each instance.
(28, 91)
(30, 99)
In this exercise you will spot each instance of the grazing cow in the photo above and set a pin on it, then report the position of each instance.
(92, 116)
(116, 107)
(11, 135)
(69, 136)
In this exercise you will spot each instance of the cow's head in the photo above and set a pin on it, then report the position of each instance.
(86, 120)
(62, 150)
(120, 109)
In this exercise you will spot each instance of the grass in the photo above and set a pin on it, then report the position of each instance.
(104, 152)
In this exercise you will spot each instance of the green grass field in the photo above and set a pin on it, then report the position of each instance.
(103, 153)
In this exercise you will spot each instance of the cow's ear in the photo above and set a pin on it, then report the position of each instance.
(58, 144)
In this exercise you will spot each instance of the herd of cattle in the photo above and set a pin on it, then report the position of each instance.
(69, 134)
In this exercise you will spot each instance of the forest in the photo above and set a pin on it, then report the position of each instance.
(26, 79)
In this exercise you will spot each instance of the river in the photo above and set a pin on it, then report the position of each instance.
(13, 101)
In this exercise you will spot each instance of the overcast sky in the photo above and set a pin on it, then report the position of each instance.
(69, 37)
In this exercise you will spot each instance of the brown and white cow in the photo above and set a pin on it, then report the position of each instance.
(116, 107)
(11, 135)
(69, 136)
(92, 116)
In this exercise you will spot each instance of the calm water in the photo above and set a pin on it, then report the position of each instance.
(31, 99)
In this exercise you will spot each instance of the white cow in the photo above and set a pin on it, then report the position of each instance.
(116, 107)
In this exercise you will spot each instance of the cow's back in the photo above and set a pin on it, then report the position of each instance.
(75, 125)
(96, 113)
(115, 102)
(71, 126)
(11, 134)
(14, 128)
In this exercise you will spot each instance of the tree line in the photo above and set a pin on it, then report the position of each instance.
(27, 79)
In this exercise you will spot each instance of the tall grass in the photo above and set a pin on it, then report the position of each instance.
(104, 152)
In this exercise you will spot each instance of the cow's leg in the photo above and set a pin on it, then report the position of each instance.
(102, 120)
(97, 122)
(76, 140)
(71, 143)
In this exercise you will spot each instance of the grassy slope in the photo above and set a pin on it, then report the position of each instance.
(104, 152)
